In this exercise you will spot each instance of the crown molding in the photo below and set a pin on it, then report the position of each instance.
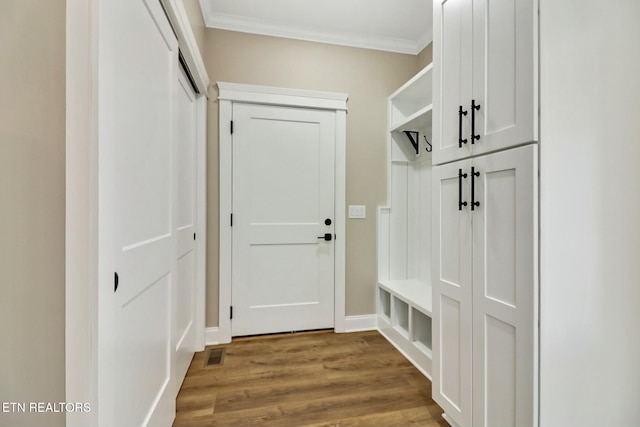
(245, 25)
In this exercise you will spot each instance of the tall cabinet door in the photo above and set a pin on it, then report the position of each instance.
(505, 290)
(452, 293)
(452, 44)
(504, 74)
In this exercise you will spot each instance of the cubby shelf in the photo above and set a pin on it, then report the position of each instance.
(404, 226)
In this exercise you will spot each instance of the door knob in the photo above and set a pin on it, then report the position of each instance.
(327, 236)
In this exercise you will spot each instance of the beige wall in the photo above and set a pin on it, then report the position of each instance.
(369, 77)
(194, 14)
(32, 215)
(425, 56)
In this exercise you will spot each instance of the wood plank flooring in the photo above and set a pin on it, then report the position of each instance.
(314, 379)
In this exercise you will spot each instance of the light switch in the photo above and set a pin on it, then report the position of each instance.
(357, 211)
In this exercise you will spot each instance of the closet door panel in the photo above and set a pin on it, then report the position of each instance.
(504, 73)
(452, 77)
(452, 298)
(505, 288)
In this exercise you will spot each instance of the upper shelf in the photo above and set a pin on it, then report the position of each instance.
(420, 120)
(412, 101)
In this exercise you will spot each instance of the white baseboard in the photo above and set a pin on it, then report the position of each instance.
(212, 336)
(368, 322)
(448, 419)
(352, 324)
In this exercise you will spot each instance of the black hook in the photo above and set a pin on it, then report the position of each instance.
(429, 148)
(413, 138)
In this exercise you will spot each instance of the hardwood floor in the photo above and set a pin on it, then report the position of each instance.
(315, 379)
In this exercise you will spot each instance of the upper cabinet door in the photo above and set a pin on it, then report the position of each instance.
(505, 76)
(452, 44)
(485, 76)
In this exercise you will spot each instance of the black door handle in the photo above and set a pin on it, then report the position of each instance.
(460, 114)
(474, 107)
(474, 173)
(460, 202)
(327, 236)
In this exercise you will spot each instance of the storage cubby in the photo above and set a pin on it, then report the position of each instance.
(421, 331)
(404, 225)
(384, 303)
(401, 316)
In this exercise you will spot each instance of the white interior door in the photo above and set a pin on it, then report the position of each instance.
(452, 290)
(185, 227)
(283, 201)
(138, 63)
(504, 289)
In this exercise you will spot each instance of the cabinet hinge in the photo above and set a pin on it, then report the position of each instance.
(230, 312)
(231, 127)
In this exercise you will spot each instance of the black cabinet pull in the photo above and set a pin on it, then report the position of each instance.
(460, 202)
(474, 173)
(327, 237)
(460, 114)
(116, 281)
(474, 107)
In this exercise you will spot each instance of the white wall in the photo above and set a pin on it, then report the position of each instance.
(590, 213)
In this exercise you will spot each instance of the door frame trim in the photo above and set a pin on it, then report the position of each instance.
(266, 95)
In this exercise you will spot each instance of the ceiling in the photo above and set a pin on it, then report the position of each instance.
(403, 26)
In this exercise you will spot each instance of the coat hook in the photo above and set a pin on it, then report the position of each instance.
(429, 148)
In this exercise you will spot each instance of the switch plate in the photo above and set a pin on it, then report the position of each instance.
(357, 211)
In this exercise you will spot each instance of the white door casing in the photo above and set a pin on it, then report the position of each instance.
(283, 173)
(335, 103)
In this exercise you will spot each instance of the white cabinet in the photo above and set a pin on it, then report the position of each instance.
(404, 226)
(485, 288)
(485, 76)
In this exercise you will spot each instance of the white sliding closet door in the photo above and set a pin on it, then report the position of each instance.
(138, 66)
(185, 226)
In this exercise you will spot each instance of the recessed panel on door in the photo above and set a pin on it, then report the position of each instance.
(500, 373)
